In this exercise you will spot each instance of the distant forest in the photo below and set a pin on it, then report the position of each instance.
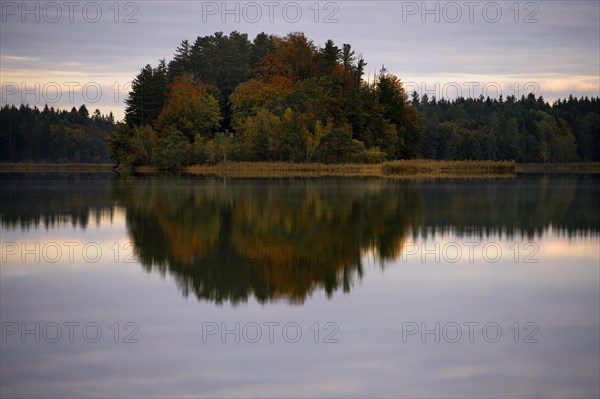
(54, 135)
(225, 97)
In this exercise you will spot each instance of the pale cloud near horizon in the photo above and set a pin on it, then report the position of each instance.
(557, 49)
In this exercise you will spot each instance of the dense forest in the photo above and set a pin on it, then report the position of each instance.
(285, 99)
(54, 135)
(225, 97)
(524, 130)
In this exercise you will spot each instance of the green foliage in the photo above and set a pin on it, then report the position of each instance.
(293, 136)
(339, 147)
(144, 144)
(172, 151)
(396, 108)
(189, 109)
(222, 146)
(119, 142)
(147, 96)
(315, 138)
(168, 149)
(528, 130)
(375, 155)
(261, 133)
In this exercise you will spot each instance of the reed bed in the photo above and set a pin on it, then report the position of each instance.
(282, 169)
(395, 169)
(579, 167)
(448, 168)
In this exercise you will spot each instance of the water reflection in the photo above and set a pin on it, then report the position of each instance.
(226, 241)
(284, 239)
(277, 240)
(35, 200)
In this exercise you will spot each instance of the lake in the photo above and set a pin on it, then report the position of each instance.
(170, 287)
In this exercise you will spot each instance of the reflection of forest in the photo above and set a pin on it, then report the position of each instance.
(523, 207)
(267, 239)
(230, 240)
(31, 200)
(283, 239)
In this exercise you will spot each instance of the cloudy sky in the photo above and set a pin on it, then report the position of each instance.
(66, 53)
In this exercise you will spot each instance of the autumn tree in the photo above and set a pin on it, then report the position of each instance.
(189, 109)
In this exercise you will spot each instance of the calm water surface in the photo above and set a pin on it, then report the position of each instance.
(116, 287)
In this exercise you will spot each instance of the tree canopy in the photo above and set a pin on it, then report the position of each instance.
(271, 99)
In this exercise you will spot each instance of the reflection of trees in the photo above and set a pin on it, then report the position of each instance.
(227, 241)
(267, 239)
(31, 200)
(284, 239)
(524, 206)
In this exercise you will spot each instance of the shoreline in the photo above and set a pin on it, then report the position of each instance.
(558, 168)
(392, 169)
(56, 167)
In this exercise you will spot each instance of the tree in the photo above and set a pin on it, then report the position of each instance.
(223, 144)
(261, 133)
(261, 46)
(294, 58)
(143, 146)
(314, 139)
(147, 95)
(330, 55)
(293, 137)
(180, 65)
(396, 108)
(172, 150)
(189, 109)
(348, 58)
(509, 141)
(563, 146)
(255, 94)
(83, 112)
(338, 146)
(120, 143)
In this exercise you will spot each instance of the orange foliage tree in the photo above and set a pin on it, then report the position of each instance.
(190, 109)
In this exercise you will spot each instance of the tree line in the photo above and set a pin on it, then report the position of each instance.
(226, 97)
(525, 130)
(286, 99)
(54, 135)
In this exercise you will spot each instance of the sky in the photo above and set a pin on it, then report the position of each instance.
(66, 53)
